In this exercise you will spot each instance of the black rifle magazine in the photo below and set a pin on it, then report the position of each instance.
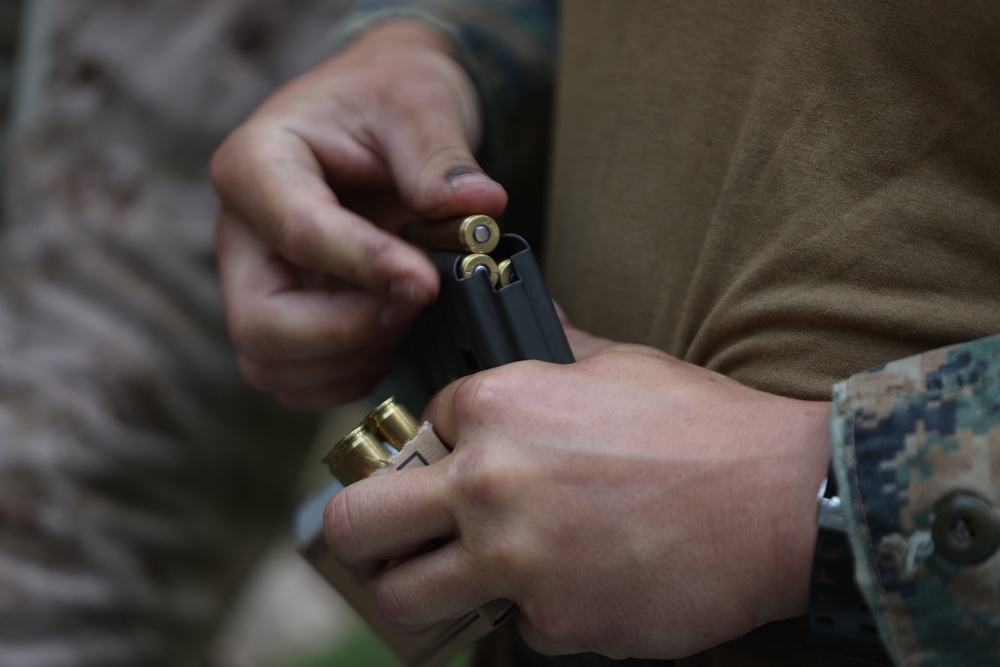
(474, 326)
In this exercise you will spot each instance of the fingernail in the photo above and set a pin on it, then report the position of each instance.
(461, 177)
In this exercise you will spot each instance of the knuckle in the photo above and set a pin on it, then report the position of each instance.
(339, 520)
(414, 97)
(236, 161)
(301, 236)
(489, 476)
(508, 559)
(219, 165)
(483, 395)
(390, 605)
(501, 393)
(513, 554)
(251, 335)
(353, 335)
(228, 166)
(377, 258)
(449, 155)
(297, 231)
(481, 479)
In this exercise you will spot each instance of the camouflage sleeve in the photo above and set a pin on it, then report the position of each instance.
(914, 444)
(507, 46)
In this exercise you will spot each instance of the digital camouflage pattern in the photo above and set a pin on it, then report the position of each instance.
(906, 436)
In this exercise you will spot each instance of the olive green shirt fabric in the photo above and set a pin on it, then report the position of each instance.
(785, 192)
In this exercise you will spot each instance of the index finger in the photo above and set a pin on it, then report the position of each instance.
(387, 517)
(274, 181)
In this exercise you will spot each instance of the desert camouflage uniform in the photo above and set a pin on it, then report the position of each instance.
(139, 476)
(905, 436)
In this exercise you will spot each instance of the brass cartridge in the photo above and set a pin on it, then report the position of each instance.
(506, 270)
(474, 233)
(357, 455)
(472, 263)
(393, 423)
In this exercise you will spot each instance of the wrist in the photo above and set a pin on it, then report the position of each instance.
(793, 526)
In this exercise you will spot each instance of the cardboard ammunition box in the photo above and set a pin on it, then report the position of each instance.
(431, 647)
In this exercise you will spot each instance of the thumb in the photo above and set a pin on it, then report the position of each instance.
(439, 178)
(429, 143)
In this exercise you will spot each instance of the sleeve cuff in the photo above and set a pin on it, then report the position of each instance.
(906, 438)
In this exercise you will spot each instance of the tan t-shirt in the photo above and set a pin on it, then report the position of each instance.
(785, 192)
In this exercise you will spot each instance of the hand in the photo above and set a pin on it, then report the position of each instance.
(630, 504)
(318, 288)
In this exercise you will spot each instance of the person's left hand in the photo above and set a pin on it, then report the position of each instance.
(630, 504)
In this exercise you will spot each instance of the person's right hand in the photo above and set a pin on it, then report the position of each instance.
(318, 288)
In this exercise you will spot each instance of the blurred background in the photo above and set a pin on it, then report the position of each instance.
(145, 493)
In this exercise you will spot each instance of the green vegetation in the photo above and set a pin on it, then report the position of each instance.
(364, 649)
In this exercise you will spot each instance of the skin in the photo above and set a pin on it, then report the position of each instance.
(318, 288)
(630, 503)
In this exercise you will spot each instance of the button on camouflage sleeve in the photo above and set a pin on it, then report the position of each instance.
(915, 450)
